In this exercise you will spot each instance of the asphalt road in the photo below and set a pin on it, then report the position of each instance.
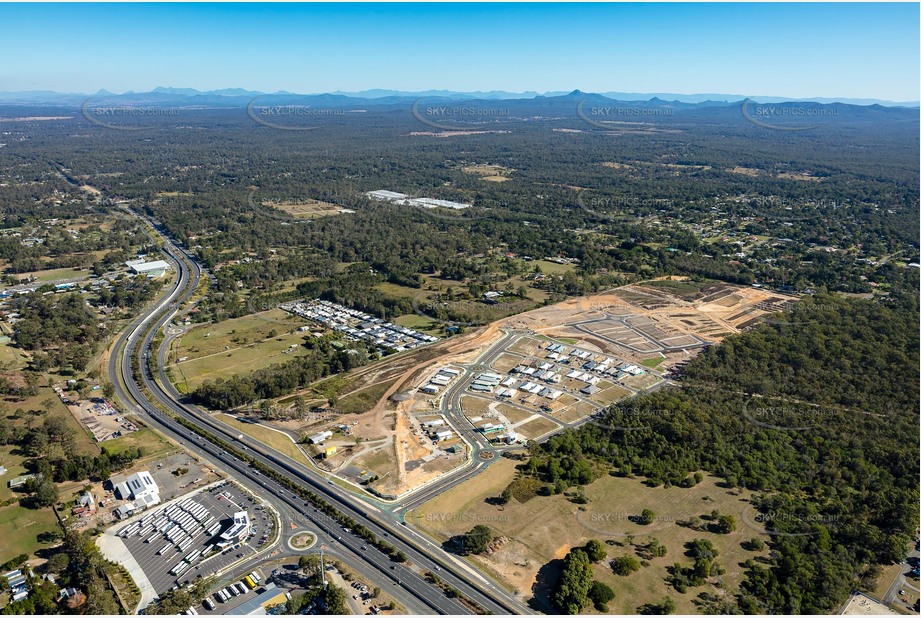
(903, 580)
(485, 593)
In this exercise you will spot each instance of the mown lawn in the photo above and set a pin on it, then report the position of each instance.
(20, 527)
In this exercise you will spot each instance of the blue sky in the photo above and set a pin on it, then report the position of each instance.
(795, 50)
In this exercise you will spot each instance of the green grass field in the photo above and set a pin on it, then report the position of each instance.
(53, 275)
(254, 341)
(420, 323)
(473, 309)
(84, 442)
(151, 443)
(363, 400)
(380, 462)
(238, 360)
(207, 339)
(552, 268)
(536, 428)
(11, 356)
(20, 527)
(652, 363)
(14, 468)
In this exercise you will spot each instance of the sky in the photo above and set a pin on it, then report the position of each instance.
(795, 50)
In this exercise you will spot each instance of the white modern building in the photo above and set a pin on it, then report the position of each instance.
(154, 269)
(387, 195)
(237, 531)
(140, 487)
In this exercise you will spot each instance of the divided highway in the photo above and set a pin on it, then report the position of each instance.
(138, 340)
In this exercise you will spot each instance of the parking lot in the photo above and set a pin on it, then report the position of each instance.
(227, 607)
(178, 541)
(171, 484)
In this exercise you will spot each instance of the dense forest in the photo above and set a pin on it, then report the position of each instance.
(61, 329)
(626, 206)
(817, 413)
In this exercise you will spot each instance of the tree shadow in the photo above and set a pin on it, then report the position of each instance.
(544, 582)
(47, 552)
(455, 545)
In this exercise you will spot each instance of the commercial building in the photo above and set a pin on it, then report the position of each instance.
(152, 269)
(421, 202)
(237, 531)
(389, 196)
(140, 487)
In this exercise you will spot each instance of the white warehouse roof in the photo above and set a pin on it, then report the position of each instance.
(146, 267)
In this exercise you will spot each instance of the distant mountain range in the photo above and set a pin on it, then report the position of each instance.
(240, 96)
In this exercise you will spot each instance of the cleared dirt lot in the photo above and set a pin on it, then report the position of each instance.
(306, 208)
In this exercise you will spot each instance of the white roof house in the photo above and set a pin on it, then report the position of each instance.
(319, 438)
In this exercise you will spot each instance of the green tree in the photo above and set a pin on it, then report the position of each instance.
(334, 601)
(571, 592)
(477, 539)
(600, 594)
(595, 550)
(625, 565)
(726, 524)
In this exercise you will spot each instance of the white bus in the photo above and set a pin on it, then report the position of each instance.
(179, 568)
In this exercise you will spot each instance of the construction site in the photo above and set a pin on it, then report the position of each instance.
(546, 370)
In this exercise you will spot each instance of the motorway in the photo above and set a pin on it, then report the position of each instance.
(419, 595)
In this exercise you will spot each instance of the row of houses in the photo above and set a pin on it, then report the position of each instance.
(590, 361)
(486, 382)
(360, 326)
(441, 379)
(19, 585)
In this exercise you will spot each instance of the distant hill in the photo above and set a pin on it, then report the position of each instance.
(233, 97)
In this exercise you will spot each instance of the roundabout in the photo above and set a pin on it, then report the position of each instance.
(302, 541)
